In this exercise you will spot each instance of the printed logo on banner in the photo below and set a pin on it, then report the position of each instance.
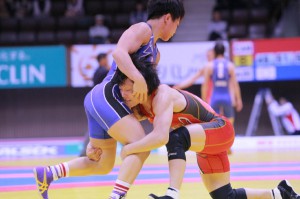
(27, 67)
(40, 150)
(86, 68)
(84, 62)
(265, 73)
(277, 59)
(243, 48)
(243, 53)
(21, 151)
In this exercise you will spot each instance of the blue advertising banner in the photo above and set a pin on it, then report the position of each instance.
(33, 67)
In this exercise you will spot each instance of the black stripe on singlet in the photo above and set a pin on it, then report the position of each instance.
(115, 103)
(195, 108)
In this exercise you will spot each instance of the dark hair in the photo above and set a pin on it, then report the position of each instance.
(101, 56)
(146, 68)
(219, 49)
(158, 8)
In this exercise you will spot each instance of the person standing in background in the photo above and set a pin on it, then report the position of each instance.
(221, 73)
(102, 70)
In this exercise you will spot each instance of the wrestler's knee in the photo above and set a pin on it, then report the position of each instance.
(227, 192)
(179, 143)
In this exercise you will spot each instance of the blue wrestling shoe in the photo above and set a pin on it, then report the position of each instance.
(120, 197)
(43, 178)
(287, 191)
(152, 196)
(116, 195)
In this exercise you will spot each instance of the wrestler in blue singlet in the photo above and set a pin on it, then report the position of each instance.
(104, 105)
(221, 99)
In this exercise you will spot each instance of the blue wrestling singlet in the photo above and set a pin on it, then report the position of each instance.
(220, 97)
(104, 105)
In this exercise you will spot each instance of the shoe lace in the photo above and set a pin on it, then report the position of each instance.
(43, 186)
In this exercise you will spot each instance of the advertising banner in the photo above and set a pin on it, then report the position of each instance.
(84, 63)
(178, 61)
(33, 67)
(267, 60)
(40, 147)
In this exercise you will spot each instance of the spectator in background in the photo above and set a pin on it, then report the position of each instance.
(18, 8)
(74, 8)
(139, 14)
(99, 32)
(284, 109)
(10, 7)
(217, 28)
(102, 70)
(4, 13)
(23, 8)
(41, 8)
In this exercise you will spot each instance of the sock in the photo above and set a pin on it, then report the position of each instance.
(120, 189)
(276, 193)
(60, 170)
(172, 192)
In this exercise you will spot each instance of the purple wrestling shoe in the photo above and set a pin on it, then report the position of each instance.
(43, 178)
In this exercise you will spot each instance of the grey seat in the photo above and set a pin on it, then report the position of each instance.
(82, 37)
(46, 37)
(27, 38)
(65, 37)
(10, 24)
(28, 24)
(93, 7)
(237, 31)
(46, 24)
(8, 38)
(257, 31)
(66, 23)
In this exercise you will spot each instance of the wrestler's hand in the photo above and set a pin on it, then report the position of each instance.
(140, 89)
(93, 153)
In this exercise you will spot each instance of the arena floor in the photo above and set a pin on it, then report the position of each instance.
(250, 168)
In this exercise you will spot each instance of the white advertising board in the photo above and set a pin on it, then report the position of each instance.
(178, 61)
